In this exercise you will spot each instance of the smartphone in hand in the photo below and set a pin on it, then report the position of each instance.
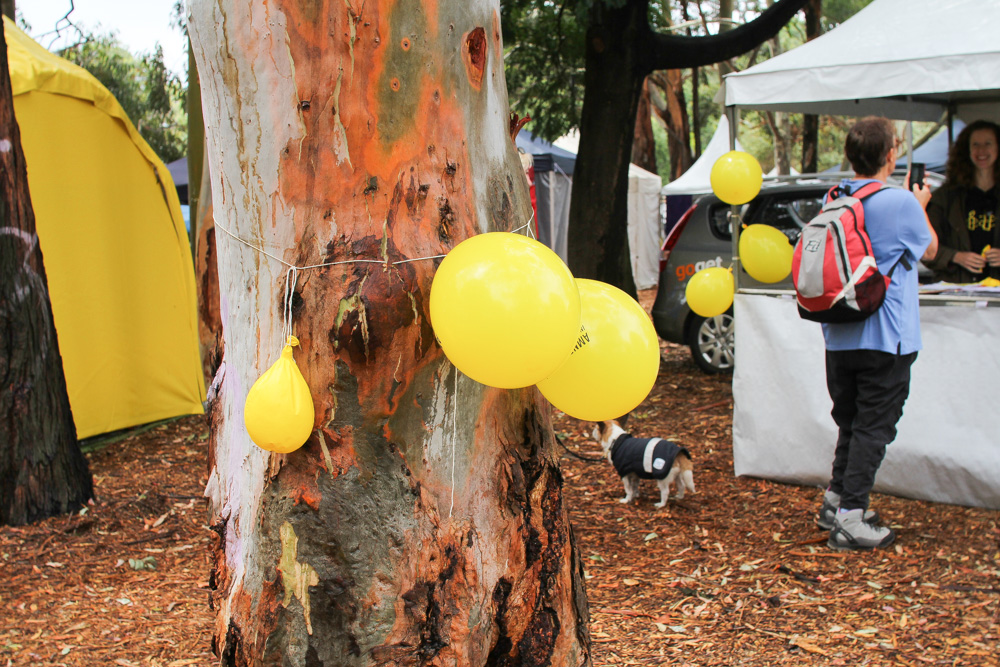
(917, 174)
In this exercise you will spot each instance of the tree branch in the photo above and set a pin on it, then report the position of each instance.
(681, 51)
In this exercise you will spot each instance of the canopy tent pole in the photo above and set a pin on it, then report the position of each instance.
(733, 115)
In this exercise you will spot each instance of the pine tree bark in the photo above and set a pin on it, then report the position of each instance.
(423, 523)
(42, 472)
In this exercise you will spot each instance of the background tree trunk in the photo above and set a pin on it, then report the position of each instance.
(673, 112)
(810, 122)
(7, 8)
(644, 145)
(42, 472)
(195, 145)
(423, 522)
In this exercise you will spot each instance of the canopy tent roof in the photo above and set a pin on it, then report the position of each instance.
(695, 180)
(896, 58)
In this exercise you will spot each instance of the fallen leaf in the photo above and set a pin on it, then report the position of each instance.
(630, 582)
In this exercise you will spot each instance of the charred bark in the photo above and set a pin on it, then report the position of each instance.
(42, 472)
(621, 50)
(423, 522)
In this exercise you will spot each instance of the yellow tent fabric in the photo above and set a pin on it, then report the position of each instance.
(117, 258)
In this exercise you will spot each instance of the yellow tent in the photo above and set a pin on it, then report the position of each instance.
(116, 253)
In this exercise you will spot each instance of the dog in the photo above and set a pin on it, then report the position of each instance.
(653, 458)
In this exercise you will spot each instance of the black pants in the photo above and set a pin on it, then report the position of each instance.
(868, 389)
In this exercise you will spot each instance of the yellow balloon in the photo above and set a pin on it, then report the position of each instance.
(736, 177)
(505, 309)
(710, 291)
(615, 361)
(766, 253)
(278, 412)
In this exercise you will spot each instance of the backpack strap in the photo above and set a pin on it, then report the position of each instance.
(868, 189)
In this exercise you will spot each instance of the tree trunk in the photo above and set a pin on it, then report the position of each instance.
(206, 270)
(621, 50)
(675, 117)
(643, 144)
(423, 522)
(7, 8)
(195, 146)
(42, 472)
(612, 83)
(810, 122)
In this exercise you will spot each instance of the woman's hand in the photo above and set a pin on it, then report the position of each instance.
(992, 256)
(971, 261)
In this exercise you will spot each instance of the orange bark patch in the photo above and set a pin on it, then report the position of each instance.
(474, 54)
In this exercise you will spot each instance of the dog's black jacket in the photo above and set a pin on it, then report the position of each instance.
(647, 458)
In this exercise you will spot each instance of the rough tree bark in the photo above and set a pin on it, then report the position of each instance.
(621, 50)
(42, 472)
(810, 122)
(644, 145)
(672, 109)
(423, 522)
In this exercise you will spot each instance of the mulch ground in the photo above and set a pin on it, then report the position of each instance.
(736, 574)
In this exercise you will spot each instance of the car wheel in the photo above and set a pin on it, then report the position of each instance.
(712, 343)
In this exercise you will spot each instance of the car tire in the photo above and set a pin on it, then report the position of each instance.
(712, 342)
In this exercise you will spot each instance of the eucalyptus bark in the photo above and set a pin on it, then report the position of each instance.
(672, 109)
(621, 50)
(644, 145)
(423, 523)
(42, 472)
(195, 146)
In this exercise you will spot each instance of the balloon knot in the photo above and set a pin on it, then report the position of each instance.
(292, 340)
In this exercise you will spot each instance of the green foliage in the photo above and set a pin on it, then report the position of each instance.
(544, 63)
(150, 94)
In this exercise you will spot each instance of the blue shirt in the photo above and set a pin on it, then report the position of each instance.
(897, 227)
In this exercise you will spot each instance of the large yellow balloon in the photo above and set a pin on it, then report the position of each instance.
(766, 253)
(615, 361)
(505, 309)
(710, 291)
(736, 177)
(278, 412)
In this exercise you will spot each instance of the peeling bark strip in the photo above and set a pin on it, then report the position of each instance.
(423, 523)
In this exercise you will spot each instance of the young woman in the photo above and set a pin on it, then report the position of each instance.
(965, 210)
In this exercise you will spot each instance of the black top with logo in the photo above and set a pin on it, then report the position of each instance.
(981, 206)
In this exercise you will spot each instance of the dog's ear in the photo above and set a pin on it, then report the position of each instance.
(602, 429)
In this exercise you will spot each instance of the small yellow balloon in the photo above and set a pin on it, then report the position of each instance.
(736, 177)
(278, 412)
(710, 291)
(505, 309)
(615, 361)
(766, 253)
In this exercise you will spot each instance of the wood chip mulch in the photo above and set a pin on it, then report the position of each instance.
(736, 574)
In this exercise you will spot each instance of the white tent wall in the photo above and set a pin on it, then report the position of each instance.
(644, 226)
(552, 196)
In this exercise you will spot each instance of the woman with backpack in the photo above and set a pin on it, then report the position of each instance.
(965, 210)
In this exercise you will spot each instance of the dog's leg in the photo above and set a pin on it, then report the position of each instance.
(688, 478)
(629, 494)
(674, 478)
(664, 485)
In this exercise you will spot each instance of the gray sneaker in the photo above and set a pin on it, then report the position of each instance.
(828, 510)
(850, 531)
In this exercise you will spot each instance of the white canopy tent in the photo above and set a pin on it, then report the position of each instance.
(695, 181)
(906, 60)
(644, 226)
(903, 59)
